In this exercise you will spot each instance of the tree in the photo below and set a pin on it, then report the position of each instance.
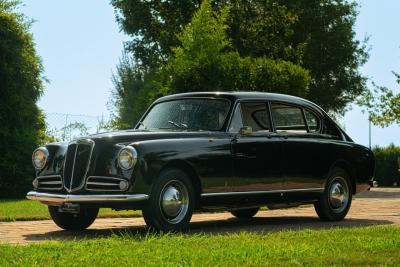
(382, 104)
(133, 87)
(205, 60)
(332, 53)
(316, 34)
(21, 84)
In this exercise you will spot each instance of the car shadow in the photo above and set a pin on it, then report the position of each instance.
(213, 227)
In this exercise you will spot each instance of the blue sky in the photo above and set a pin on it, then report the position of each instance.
(80, 45)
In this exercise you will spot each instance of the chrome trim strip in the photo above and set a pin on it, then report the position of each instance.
(73, 168)
(106, 190)
(263, 192)
(106, 177)
(67, 198)
(102, 184)
(105, 183)
(50, 182)
(77, 142)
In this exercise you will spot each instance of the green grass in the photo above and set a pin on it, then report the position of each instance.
(367, 246)
(26, 210)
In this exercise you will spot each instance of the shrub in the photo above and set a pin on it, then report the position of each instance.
(22, 126)
(387, 165)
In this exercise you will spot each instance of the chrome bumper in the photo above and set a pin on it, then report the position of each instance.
(67, 198)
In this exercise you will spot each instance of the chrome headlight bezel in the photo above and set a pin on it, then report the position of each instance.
(127, 158)
(45, 156)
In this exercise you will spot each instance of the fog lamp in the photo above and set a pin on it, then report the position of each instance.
(123, 185)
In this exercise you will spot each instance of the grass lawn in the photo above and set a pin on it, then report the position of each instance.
(378, 245)
(25, 210)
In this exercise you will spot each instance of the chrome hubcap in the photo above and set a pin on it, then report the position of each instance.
(174, 201)
(338, 195)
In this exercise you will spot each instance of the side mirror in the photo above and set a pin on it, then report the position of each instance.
(246, 130)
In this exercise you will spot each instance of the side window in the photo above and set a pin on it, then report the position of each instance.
(251, 114)
(237, 121)
(255, 115)
(288, 119)
(312, 121)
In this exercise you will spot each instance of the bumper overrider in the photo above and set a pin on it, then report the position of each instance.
(90, 199)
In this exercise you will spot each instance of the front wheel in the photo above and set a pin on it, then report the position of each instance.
(335, 202)
(170, 206)
(74, 221)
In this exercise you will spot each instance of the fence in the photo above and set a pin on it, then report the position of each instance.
(65, 127)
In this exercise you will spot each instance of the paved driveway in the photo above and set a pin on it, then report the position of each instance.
(381, 206)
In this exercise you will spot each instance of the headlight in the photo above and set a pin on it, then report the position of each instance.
(127, 158)
(39, 157)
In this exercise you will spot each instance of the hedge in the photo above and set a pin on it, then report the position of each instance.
(387, 165)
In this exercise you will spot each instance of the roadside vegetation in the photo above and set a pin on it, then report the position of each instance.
(27, 210)
(387, 165)
(21, 85)
(366, 246)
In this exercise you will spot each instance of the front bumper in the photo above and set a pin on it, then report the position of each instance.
(95, 199)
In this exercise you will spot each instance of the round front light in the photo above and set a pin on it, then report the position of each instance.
(39, 157)
(127, 158)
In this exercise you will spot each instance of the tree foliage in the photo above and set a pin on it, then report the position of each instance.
(22, 123)
(204, 60)
(318, 35)
(134, 89)
(382, 104)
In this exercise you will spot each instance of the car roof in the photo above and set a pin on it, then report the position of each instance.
(242, 95)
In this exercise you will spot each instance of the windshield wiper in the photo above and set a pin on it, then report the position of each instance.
(179, 125)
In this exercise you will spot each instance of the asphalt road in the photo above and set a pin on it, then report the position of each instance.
(380, 206)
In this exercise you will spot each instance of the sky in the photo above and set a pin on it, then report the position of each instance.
(80, 45)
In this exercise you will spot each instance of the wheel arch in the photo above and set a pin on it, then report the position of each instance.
(349, 168)
(191, 172)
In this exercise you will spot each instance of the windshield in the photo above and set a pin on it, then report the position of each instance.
(192, 114)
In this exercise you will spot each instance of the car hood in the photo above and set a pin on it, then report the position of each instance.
(130, 136)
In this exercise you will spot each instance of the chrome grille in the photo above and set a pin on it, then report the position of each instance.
(53, 182)
(102, 183)
(76, 164)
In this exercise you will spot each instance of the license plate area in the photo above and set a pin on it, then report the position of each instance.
(69, 208)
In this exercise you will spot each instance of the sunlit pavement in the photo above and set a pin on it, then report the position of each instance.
(380, 206)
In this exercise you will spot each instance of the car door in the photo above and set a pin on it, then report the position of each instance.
(305, 154)
(256, 154)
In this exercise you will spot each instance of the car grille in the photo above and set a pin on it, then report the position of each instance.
(53, 182)
(101, 183)
(76, 164)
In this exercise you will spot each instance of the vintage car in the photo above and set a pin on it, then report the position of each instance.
(235, 151)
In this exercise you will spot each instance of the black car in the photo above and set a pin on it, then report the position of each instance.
(233, 151)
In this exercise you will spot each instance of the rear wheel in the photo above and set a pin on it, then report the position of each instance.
(335, 202)
(245, 213)
(74, 221)
(170, 206)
